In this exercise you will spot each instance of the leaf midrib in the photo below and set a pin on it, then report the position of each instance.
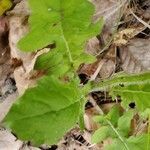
(39, 115)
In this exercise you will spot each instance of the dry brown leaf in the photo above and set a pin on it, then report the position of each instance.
(93, 46)
(4, 49)
(109, 66)
(135, 57)
(104, 67)
(78, 140)
(18, 22)
(6, 105)
(110, 10)
(26, 147)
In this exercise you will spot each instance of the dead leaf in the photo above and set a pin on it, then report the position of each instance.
(8, 141)
(18, 22)
(111, 11)
(6, 105)
(135, 57)
(93, 46)
(109, 66)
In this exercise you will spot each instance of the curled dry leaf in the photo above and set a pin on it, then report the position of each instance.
(93, 46)
(76, 139)
(111, 11)
(135, 57)
(6, 105)
(4, 49)
(104, 67)
(9, 141)
(109, 66)
(18, 22)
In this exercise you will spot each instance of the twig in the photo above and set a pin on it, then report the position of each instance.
(93, 77)
(140, 20)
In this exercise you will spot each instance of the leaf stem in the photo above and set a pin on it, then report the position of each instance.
(121, 139)
(67, 46)
(68, 50)
(109, 123)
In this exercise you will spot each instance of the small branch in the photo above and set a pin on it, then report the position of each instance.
(140, 20)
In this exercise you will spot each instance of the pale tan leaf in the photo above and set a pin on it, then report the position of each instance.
(111, 11)
(6, 105)
(135, 57)
(18, 22)
(9, 141)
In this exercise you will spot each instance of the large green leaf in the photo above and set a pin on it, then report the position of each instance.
(131, 88)
(46, 112)
(4, 5)
(67, 23)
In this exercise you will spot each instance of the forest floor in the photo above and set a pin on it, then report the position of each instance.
(123, 45)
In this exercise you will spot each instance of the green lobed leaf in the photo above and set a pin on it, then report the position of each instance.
(101, 134)
(46, 112)
(124, 123)
(114, 115)
(140, 142)
(131, 88)
(138, 93)
(116, 145)
(67, 23)
(4, 5)
(99, 118)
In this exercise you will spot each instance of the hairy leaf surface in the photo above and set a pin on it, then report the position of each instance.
(131, 88)
(46, 112)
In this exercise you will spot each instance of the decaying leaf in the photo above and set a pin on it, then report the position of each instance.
(111, 11)
(5, 66)
(135, 56)
(104, 67)
(18, 23)
(93, 46)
